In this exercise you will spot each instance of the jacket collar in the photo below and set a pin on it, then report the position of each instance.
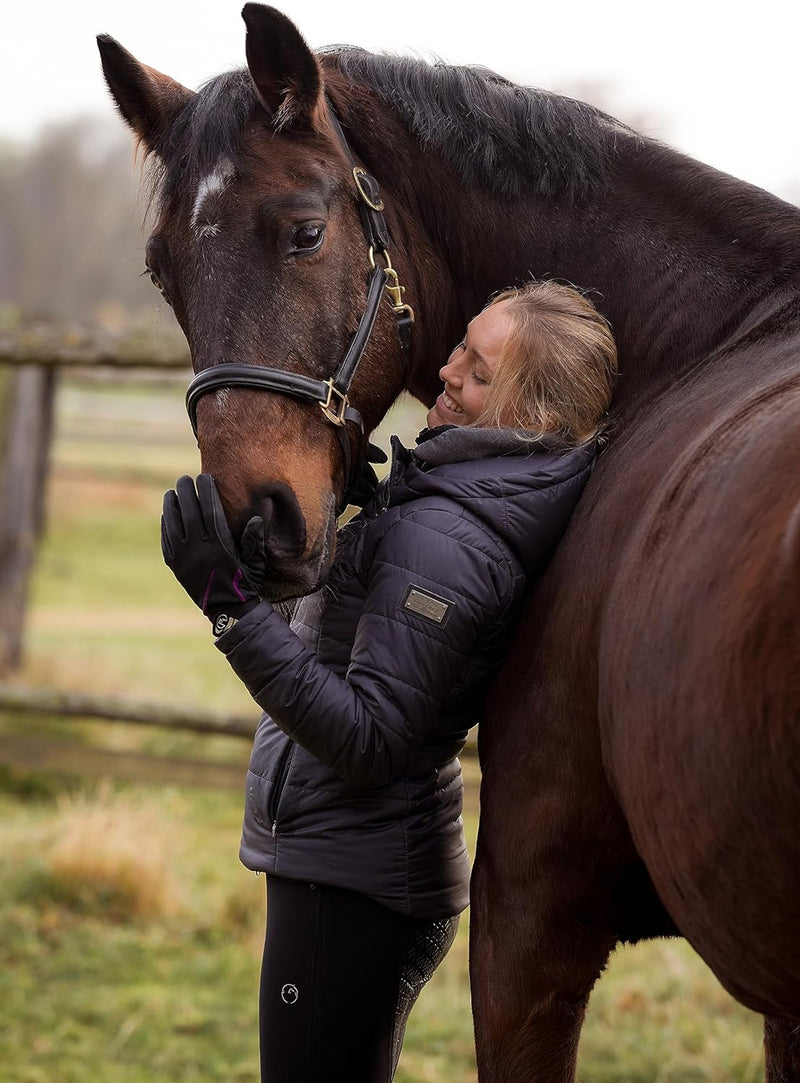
(465, 443)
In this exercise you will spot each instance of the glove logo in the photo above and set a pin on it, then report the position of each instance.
(290, 994)
(223, 623)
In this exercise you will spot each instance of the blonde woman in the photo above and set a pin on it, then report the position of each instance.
(353, 805)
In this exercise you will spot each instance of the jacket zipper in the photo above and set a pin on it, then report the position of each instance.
(284, 764)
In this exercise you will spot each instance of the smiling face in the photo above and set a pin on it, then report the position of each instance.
(470, 368)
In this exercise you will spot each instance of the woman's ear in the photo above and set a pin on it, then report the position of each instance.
(147, 100)
(286, 74)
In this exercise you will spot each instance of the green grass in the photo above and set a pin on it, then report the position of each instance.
(90, 997)
(93, 990)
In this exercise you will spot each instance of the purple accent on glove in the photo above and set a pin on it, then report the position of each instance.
(237, 578)
(208, 590)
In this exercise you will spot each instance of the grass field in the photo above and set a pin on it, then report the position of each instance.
(129, 934)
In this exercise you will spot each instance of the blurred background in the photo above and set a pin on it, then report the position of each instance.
(129, 934)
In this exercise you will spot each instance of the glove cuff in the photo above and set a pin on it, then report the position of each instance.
(222, 620)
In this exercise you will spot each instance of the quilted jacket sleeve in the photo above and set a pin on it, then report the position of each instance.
(405, 665)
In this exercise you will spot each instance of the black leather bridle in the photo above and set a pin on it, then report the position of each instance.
(331, 394)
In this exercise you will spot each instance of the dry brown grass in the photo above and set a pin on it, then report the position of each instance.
(111, 854)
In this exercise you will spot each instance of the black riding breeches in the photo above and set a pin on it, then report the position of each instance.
(339, 977)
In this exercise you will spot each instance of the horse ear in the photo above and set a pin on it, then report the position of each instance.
(147, 100)
(286, 74)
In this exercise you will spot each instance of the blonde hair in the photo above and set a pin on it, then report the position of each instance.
(556, 367)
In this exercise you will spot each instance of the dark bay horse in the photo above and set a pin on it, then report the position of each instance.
(641, 752)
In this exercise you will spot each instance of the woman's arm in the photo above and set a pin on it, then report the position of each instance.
(434, 589)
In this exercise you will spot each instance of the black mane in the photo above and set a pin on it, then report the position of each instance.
(494, 133)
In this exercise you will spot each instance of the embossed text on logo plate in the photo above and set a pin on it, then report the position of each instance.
(428, 605)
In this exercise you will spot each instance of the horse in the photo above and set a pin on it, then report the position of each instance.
(640, 748)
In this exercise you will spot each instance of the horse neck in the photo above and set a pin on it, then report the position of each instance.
(678, 256)
(686, 259)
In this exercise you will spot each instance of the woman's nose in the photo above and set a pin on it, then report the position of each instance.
(448, 373)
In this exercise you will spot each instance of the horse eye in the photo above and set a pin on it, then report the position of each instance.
(308, 237)
(156, 281)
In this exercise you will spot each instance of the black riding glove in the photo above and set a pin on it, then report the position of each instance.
(219, 576)
(367, 482)
(364, 488)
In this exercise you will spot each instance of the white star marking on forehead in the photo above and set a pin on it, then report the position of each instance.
(211, 185)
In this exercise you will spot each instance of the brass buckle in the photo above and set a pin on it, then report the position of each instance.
(334, 414)
(358, 173)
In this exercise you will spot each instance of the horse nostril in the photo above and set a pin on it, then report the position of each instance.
(284, 523)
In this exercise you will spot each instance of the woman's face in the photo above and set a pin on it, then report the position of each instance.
(470, 368)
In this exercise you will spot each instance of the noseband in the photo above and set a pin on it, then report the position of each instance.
(332, 394)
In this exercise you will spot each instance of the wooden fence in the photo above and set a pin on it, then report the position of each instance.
(51, 703)
(80, 347)
(49, 754)
(30, 358)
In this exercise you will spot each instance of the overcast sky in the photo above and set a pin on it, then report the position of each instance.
(720, 79)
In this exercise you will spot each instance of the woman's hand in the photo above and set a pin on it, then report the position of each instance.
(223, 579)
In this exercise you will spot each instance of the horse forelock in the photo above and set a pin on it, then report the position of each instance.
(205, 140)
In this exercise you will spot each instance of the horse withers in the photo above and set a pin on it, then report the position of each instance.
(640, 749)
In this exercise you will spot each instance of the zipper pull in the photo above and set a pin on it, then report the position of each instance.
(274, 828)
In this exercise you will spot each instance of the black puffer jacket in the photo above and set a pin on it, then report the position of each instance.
(354, 778)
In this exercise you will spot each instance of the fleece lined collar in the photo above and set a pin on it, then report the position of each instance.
(514, 485)
(465, 443)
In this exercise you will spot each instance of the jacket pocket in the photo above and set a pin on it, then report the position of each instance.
(279, 784)
(270, 762)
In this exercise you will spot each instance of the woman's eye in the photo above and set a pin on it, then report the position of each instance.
(479, 379)
(307, 238)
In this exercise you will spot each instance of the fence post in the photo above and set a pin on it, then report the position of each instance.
(26, 424)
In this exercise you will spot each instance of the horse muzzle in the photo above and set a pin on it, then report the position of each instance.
(295, 564)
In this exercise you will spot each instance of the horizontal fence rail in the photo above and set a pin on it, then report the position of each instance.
(80, 347)
(47, 702)
(51, 702)
(45, 755)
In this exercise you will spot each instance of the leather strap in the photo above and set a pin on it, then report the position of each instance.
(349, 364)
(294, 383)
(370, 204)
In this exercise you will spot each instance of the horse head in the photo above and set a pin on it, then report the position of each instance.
(260, 250)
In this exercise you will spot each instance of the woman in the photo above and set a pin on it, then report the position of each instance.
(354, 788)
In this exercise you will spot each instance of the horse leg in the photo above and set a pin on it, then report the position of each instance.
(549, 862)
(532, 968)
(781, 1050)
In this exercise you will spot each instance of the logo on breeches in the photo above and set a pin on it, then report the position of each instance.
(290, 994)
